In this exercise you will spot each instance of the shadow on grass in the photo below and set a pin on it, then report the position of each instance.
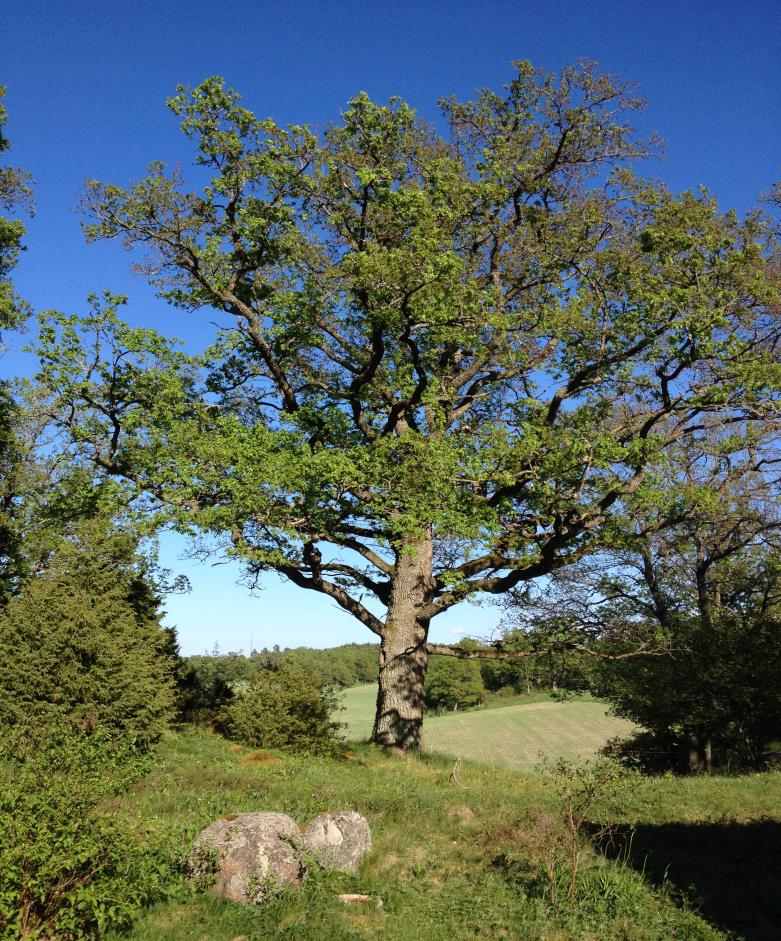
(730, 873)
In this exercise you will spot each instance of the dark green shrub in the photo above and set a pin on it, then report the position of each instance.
(718, 688)
(70, 866)
(453, 684)
(650, 752)
(81, 642)
(283, 708)
(205, 684)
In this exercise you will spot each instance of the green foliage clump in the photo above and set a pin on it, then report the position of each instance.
(70, 865)
(15, 194)
(283, 708)
(81, 642)
(206, 682)
(453, 684)
(720, 686)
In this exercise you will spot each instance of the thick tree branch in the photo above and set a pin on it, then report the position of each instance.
(315, 582)
(499, 652)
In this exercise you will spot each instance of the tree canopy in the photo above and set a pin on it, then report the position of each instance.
(446, 363)
(15, 194)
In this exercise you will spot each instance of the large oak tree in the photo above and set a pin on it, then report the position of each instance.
(445, 360)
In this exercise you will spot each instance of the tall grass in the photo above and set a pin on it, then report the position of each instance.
(455, 857)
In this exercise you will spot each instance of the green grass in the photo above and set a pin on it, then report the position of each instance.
(358, 712)
(513, 735)
(461, 860)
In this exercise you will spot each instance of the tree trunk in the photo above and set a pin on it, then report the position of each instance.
(699, 753)
(403, 657)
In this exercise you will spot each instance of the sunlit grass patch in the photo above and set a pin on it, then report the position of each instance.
(451, 860)
(513, 735)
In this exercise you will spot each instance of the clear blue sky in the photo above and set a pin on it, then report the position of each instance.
(86, 84)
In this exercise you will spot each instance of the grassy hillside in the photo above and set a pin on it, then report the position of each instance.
(358, 713)
(513, 736)
(466, 860)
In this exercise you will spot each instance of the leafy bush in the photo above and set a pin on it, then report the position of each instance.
(588, 798)
(718, 688)
(70, 867)
(452, 683)
(553, 857)
(283, 708)
(81, 642)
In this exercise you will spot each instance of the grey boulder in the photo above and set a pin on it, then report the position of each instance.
(338, 841)
(246, 857)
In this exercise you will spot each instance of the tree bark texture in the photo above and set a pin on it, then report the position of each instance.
(700, 753)
(403, 656)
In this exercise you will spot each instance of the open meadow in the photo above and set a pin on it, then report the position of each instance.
(467, 859)
(516, 735)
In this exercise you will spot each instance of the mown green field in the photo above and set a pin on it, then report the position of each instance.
(358, 712)
(518, 735)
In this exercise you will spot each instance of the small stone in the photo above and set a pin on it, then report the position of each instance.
(354, 899)
(338, 841)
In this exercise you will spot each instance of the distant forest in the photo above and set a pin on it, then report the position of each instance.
(206, 682)
(347, 665)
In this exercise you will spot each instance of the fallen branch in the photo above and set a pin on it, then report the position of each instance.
(454, 775)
